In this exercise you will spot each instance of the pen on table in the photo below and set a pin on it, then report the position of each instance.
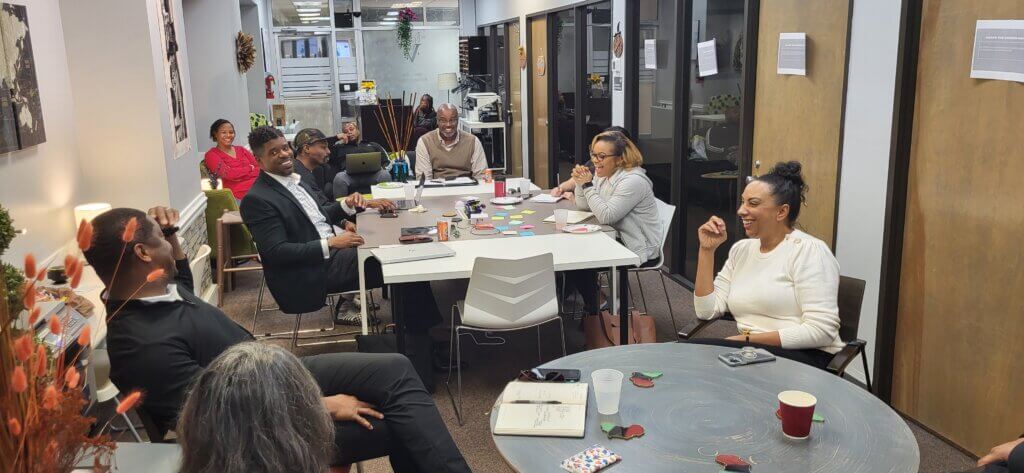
(523, 401)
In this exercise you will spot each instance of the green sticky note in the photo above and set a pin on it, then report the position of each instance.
(507, 207)
(607, 426)
(529, 212)
(517, 217)
(818, 418)
(497, 217)
(515, 222)
(652, 374)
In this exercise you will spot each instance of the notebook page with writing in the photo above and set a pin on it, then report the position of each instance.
(542, 409)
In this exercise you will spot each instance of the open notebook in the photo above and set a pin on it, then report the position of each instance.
(542, 410)
(575, 216)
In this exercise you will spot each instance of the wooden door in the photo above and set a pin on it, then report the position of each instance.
(799, 118)
(538, 77)
(960, 321)
(515, 106)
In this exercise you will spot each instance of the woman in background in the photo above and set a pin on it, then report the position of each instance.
(256, 408)
(780, 284)
(234, 165)
(426, 116)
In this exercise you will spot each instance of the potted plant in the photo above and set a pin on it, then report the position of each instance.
(405, 18)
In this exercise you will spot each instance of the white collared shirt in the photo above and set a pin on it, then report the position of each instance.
(172, 296)
(312, 210)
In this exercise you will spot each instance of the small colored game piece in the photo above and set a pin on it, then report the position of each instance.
(641, 382)
(652, 374)
(818, 418)
(732, 463)
(617, 432)
(529, 212)
(526, 233)
(606, 426)
(634, 431)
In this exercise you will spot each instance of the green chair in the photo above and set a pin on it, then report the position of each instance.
(239, 240)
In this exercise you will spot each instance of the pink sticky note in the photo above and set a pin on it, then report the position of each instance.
(526, 227)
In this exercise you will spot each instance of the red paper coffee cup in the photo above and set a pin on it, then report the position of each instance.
(499, 188)
(797, 411)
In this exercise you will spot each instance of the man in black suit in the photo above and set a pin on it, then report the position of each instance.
(307, 247)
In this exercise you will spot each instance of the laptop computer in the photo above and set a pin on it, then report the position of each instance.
(406, 204)
(406, 253)
(362, 163)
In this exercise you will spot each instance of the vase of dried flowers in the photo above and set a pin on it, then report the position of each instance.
(41, 399)
(396, 124)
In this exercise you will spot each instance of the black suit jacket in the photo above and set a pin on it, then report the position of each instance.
(288, 243)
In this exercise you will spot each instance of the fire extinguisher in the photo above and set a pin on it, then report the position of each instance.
(270, 85)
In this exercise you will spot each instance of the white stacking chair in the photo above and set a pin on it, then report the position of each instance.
(201, 258)
(666, 213)
(503, 296)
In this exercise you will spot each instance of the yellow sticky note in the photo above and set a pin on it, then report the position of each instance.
(516, 217)
(497, 217)
(529, 212)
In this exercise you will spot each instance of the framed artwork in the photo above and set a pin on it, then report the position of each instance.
(21, 111)
(172, 77)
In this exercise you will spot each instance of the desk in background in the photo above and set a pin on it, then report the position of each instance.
(492, 127)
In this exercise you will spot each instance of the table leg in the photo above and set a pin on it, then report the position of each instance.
(398, 317)
(361, 258)
(623, 278)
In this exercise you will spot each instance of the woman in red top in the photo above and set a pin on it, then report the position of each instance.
(234, 165)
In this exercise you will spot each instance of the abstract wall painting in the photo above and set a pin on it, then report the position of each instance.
(172, 76)
(21, 111)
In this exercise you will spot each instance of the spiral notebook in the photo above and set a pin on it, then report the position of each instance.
(542, 409)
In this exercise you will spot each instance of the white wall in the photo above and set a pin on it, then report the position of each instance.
(219, 90)
(39, 186)
(252, 25)
(874, 44)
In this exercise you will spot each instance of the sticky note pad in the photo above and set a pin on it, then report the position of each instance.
(526, 233)
(503, 214)
(515, 222)
(529, 212)
(526, 227)
(498, 217)
(507, 207)
(502, 228)
(517, 217)
(510, 232)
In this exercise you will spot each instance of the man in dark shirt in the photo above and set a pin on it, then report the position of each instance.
(352, 143)
(312, 148)
(160, 335)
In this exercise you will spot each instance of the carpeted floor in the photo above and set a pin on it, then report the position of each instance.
(490, 367)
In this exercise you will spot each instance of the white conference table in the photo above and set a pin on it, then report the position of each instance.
(570, 252)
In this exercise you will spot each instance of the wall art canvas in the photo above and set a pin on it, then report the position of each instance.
(21, 111)
(172, 76)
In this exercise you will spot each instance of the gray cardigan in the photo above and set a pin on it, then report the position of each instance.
(626, 202)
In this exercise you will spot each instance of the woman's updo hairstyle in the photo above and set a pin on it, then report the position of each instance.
(216, 126)
(788, 187)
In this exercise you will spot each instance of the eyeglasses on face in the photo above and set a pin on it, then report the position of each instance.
(602, 157)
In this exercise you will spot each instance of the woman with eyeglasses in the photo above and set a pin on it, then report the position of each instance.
(619, 194)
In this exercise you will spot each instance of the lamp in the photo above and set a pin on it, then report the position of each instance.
(89, 211)
(447, 81)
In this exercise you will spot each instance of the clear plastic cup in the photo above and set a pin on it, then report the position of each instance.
(561, 216)
(607, 388)
(410, 191)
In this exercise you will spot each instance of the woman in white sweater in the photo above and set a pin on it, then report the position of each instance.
(780, 284)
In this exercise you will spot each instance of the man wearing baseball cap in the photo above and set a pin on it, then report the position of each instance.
(312, 148)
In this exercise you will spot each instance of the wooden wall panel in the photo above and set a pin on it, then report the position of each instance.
(515, 107)
(960, 326)
(800, 117)
(539, 160)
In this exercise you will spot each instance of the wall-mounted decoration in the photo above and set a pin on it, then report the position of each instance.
(172, 77)
(617, 45)
(522, 57)
(21, 111)
(542, 66)
(245, 52)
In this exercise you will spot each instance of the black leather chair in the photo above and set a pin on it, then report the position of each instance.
(851, 297)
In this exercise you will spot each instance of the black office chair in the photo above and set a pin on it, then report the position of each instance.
(850, 299)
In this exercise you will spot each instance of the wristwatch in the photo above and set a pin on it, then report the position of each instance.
(588, 185)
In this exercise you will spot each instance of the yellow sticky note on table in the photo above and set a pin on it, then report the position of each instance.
(529, 212)
(498, 217)
(516, 217)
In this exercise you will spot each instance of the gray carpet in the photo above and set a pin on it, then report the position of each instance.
(490, 367)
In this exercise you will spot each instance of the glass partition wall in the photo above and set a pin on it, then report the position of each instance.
(319, 57)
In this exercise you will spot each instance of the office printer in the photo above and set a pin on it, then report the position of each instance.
(482, 107)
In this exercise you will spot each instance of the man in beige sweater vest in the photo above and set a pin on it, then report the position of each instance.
(449, 151)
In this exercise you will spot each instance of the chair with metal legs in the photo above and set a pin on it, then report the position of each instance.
(503, 296)
(105, 390)
(666, 213)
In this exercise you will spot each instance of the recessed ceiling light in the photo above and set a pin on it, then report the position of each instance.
(308, 14)
(307, 10)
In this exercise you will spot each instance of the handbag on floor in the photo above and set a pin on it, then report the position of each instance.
(602, 330)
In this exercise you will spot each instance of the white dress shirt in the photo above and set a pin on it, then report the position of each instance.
(478, 162)
(309, 205)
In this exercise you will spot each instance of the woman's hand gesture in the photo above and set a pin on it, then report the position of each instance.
(712, 234)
